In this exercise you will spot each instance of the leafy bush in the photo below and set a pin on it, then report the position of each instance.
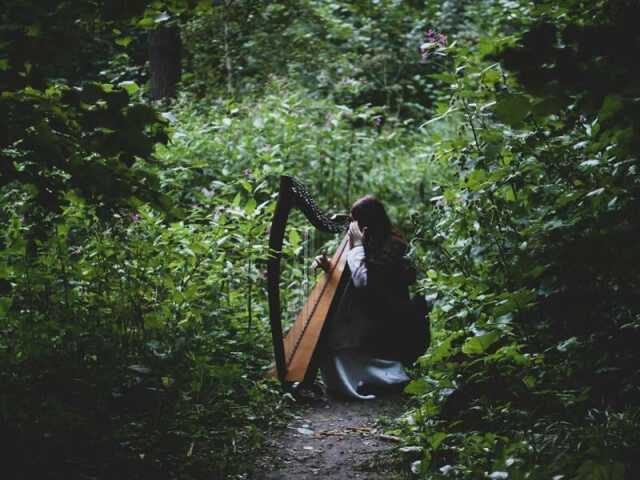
(155, 324)
(529, 247)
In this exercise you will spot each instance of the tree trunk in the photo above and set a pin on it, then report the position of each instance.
(164, 61)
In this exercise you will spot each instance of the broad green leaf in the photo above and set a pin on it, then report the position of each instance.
(247, 186)
(512, 109)
(250, 206)
(442, 351)
(146, 22)
(5, 305)
(33, 31)
(436, 439)
(475, 180)
(294, 237)
(418, 387)
(491, 77)
(612, 104)
(124, 41)
(547, 107)
(204, 6)
(130, 86)
(480, 343)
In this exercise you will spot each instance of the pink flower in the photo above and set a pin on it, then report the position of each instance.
(247, 173)
(432, 42)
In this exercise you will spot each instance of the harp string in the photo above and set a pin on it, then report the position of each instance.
(308, 273)
(312, 309)
(303, 272)
(300, 282)
(307, 256)
(308, 236)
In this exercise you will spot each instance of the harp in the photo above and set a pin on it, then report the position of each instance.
(295, 352)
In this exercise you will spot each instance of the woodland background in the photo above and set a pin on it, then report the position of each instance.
(140, 149)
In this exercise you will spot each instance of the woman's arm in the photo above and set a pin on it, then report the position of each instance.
(356, 256)
(358, 266)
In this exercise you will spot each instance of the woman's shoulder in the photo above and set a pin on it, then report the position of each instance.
(391, 251)
(392, 260)
(396, 245)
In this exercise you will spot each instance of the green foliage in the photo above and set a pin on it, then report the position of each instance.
(238, 46)
(84, 141)
(530, 248)
(177, 304)
(65, 132)
(360, 53)
(287, 131)
(132, 303)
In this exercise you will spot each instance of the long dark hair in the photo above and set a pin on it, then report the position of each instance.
(370, 213)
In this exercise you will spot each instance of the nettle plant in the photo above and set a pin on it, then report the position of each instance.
(166, 314)
(527, 309)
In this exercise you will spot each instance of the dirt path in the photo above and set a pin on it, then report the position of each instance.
(335, 440)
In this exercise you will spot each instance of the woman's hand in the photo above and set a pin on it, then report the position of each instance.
(356, 235)
(321, 261)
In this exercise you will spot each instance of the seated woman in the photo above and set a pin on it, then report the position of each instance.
(366, 340)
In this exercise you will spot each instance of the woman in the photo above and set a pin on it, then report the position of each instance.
(366, 338)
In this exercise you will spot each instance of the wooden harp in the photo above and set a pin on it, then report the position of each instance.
(294, 353)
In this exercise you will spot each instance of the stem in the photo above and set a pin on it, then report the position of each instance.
(470, 119)
(249, 296)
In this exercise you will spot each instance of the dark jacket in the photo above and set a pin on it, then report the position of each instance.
(376, 319)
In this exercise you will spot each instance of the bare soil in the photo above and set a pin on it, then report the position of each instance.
(336, 439)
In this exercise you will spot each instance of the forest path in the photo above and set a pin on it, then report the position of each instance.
(336, 439)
